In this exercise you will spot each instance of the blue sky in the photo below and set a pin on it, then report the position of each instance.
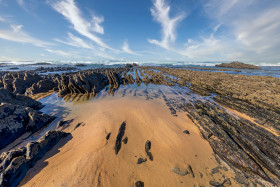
(140, 30)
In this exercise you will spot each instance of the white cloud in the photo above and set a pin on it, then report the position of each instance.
(160, 13)
(211, 48)
(72, 13)
(20, 2)
(2, 19)
(75, 42)
(96, 24)
(58, 52)
(262, 33)
(126, 48)
(253, 24)
(16, 34)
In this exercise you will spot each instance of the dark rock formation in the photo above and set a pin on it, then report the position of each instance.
(61, 123)
(120, 135)
(265, 115)
(147, 150)
(41, 87)
(78, 125)
(141, 160)
(146, 80)
(15, 164)
(125, 140)
(114, 80)
(242, 144)
(108, 136)
(137, 78)
(83, 82)
(80, 65)
(225, 183)
(8, 97)
(18, 82)
(53, 69)
(191, 171)
(128, 79)
(15, 120)
(156, 78)
(237, 65)
(139, 184)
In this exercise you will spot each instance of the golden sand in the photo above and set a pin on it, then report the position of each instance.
(88, 159)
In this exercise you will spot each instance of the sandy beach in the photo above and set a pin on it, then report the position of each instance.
(88, 159)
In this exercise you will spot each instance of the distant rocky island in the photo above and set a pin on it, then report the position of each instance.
(237, 65)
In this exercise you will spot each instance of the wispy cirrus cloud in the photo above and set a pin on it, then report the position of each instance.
(16, 34)
(127, 49)
(2, 19)
(21, 2)
(58, 52)
(161, 14)
(72, 13)
(75, 41)
(208, 48)
(253, 24)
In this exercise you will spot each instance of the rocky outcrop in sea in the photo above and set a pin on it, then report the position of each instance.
(237, 65)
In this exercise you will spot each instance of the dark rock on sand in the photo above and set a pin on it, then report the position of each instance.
(125, 140)
(237, 65)
(186, 132)
(225, 183)
(119, 138)
(141, 160)
(147, 150)
(139, 184)
(61, 123)
(148, 145)
(15, 164)
(180, 171)
(172, 110)
(108, 136)
(78, 125)
(191, 171)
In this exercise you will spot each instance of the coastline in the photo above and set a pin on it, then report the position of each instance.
(177, 100)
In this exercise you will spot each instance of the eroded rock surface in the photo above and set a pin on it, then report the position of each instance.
(15, 120)
(15, 164)
(242, 144)
(19, 114)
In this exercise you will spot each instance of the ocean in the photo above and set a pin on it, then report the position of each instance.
(273, 71)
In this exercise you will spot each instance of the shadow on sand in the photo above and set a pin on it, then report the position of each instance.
(42, 163)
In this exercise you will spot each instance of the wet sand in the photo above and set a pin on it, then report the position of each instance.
(88, 159)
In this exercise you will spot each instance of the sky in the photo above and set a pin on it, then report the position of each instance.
(140, 30)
